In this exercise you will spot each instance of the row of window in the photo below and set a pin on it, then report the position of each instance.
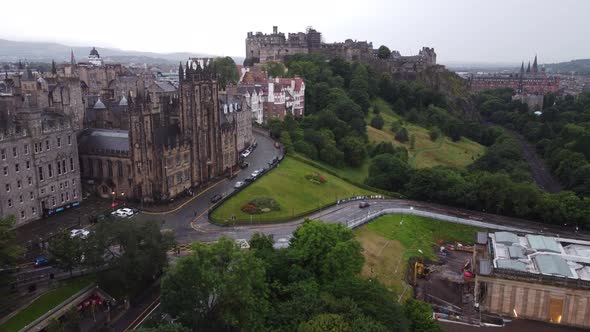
(21, 199)
(100, 171)
(38, 147)
(61, 168)
(17, 167)
(19, 184)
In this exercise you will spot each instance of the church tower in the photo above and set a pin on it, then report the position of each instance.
(535, 67)
(200, 119)
(141, 145)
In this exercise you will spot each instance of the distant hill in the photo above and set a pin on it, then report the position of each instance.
(12, 51)
(580, 66)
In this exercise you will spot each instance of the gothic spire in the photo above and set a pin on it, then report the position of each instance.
(522, 68)
(535, 67)
(187, 70)
(53, 67)
(180, 73)
(72, 58)
(528, 67)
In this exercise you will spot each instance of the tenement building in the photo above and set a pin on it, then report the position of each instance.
(39, 162)
(532, 276)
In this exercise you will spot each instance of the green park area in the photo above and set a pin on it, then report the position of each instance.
(425, 153)
(388, 243)
(289, 187)
(46, 302)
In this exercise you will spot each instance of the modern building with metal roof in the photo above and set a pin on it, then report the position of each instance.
(533, 276)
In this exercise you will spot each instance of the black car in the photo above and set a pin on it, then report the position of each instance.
(364, 204)
(215, 198)
(250, 179)
(244, 165)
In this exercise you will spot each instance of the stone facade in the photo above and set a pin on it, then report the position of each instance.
(39, 162)
(261, 48)
(178, 140)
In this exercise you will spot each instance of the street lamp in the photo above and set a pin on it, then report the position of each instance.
(113, 201)
(123, 197)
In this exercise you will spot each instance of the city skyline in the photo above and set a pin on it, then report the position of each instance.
(460, 30)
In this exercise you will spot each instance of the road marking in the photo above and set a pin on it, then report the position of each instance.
(140, 315)
(190, 200)
(146, 316)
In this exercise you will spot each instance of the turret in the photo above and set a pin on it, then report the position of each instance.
(522, 69)
(528, 67)
(535, 68)
(180, 72)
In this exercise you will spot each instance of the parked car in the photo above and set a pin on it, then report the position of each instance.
(273, 161)
(127, 211)
(81, 233)
(364, 204)
(120, 214)
(277, 145)
(216, 198)
(255, 173)
(245, 154)
(238, 184)
(244, 165)
(41, 261)
(255, 145)
(250, 179)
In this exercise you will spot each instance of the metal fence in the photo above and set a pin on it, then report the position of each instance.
(370, 216)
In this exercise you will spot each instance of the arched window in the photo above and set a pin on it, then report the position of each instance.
(110, 168)
(119, 168)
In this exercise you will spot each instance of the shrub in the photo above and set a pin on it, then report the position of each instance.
(316, 178)
(402, 135)
(377, 122)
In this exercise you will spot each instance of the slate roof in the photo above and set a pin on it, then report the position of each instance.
(104, 140)
(165, 86)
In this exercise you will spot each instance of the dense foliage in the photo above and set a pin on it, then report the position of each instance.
(311, 286)
(561, 133)
(226, 69)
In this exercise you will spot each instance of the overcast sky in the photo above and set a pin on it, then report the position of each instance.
(459, 30)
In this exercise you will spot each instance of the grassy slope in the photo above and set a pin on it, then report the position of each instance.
(45, 303)
(288, 186)
(388, 245)
(426, 152)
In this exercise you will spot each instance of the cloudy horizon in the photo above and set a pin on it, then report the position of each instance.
(461, 31)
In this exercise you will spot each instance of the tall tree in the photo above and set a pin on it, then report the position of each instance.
(217, 287)
(383, 52)
(420, 317)
(66, 250)
(227, 71)
(9, 250)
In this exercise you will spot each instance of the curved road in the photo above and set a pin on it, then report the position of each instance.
(189, 221)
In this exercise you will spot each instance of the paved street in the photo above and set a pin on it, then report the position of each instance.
(179, 219)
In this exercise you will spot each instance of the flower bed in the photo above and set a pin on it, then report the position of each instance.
(261, 205)
(315, 177)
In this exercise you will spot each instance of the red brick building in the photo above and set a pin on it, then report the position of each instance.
(529, 81)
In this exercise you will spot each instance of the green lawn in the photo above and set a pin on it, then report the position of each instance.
(357, 174)
(387, 245)
(289, 187)
(426, 153)
(45, 303)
